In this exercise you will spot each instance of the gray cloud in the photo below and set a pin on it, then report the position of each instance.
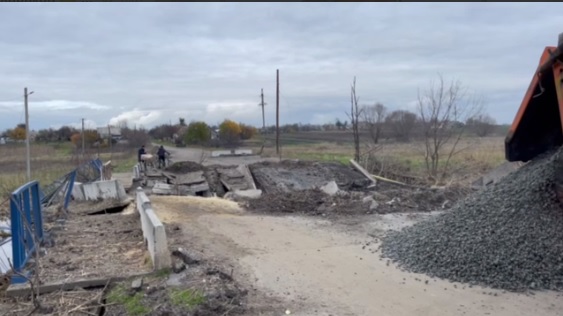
(153, 62)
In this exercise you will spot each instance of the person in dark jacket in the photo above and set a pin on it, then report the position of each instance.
(140, 153)
(162, 156)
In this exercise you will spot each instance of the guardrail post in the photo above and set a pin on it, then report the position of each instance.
(27, 227)
(72, 177)
(37, 211)
(25, 205)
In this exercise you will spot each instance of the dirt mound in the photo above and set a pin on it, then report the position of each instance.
(290, 175)
(184, 167)
(508, 236)
(309, 202)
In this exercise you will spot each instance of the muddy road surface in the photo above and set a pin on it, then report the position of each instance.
(311, 266)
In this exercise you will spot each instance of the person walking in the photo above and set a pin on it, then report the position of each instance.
(140, 154)
(162, 156)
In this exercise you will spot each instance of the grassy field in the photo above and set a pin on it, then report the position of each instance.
(478, 155)
(50, 162)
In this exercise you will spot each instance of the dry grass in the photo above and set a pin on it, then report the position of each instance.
(64, 303)
(50, 162)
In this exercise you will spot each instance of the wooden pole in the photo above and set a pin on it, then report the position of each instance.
(277, 111)
(110, 141)
(262, 104)
(83, 138)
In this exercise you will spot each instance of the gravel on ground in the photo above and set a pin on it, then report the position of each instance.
(508, 236)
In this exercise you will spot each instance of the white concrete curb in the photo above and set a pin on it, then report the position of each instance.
(153, 232)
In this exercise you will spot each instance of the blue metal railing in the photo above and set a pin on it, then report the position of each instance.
(27, 226)
(26, 206)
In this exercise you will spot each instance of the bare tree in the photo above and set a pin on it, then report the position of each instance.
(374, 117)
(354, 115)
(401, 123)
(482, 125)
(441, 107)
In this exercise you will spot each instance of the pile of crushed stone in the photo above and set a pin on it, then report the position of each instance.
(508, 236)
(309, 202)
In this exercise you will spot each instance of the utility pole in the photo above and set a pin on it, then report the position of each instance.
(262, 104)
(27, 154)
(82, 138)
(110, 139)
(277, 111)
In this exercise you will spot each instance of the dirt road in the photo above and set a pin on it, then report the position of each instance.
(314, 267)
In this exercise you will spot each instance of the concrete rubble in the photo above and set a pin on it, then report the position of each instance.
(330, 188)
(192, 179)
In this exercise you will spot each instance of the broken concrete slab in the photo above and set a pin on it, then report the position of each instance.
(193, 189)
(248, 194)
(234, 185)
(331, 188)
(153, 173)
(124, 178)
(243, 169)
(189, 178)
(163, 189)
(106, 190)
(230, 173)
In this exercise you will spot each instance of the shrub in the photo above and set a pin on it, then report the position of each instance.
(90, 137)
(247, 131)
(198, 133)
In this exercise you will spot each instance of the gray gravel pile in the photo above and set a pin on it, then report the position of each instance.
(509, 236)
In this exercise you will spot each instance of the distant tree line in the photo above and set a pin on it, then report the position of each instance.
(228, 133)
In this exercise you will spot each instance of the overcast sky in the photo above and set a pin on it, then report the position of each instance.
(151, 63)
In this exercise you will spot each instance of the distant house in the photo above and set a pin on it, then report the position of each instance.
(215, 133)
(32, 136)
(105, 131)
(176, 137)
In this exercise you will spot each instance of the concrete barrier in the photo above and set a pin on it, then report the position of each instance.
(137, 172)
(109, 189)
(237, 152)
(153, 232)
(243, 152)
(219, 153)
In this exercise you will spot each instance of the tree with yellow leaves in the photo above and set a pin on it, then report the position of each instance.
(229, 132)
(18, 133)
